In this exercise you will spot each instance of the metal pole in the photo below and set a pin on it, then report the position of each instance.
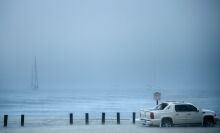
(5, 120)
(87, 118)
(103, 117)
(71, 118)
(134, 115)
(22, 120)
(118, 118)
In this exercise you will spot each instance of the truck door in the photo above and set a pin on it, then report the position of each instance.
(181, 114)
(194, 115)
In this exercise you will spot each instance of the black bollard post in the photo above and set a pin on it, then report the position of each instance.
(87, 118)
(5, 120)
(103, 117)
(134, 115)
(71, 118)
(22, 120)
(118, 118)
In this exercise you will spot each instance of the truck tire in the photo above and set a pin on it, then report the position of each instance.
(167, 122)
(208, 122)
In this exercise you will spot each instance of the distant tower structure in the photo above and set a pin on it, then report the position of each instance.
(35, 75)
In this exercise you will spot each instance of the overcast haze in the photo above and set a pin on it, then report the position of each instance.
(110, 44)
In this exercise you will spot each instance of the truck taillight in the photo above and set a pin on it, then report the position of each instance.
(151, 115)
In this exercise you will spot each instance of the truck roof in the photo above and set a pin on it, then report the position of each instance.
(176, 102)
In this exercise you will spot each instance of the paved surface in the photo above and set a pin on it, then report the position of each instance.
(109, 129)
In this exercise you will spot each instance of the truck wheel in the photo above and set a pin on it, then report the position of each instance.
(208, 122)
(167, 122)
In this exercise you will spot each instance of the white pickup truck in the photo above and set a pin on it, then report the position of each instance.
(172, 113)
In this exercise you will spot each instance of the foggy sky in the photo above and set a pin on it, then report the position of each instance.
(110, 43)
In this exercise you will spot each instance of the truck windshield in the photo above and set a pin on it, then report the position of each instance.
(161, 106)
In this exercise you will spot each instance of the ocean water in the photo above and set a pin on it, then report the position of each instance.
(46, 105)
(59, 101)
(85, 100)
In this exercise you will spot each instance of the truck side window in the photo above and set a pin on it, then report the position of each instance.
(185, 108)
(180, 108)
(161, 106)
(191, 108)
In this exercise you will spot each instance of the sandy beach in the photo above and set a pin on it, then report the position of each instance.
(109, 129)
